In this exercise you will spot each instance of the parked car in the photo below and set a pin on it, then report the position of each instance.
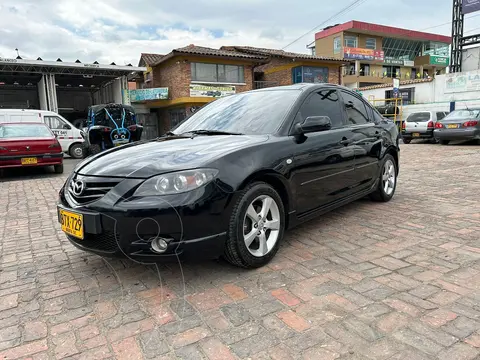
(233, 177)
(459, 125)
(420, 125)
(69, 137)
(29, 144)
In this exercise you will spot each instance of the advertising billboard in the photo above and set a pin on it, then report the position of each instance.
(201, 90)
(462, 82)
(469, 6)
(362, 54)
(148, 94)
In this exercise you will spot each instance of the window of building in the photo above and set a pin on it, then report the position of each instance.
(371, 43)
(351, 41)
(356, 109)
(54, 122)
(323, 103)
(212, 73)
(337, 45)
(364, 70)
(310, 74)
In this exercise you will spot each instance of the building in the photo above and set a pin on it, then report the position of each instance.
(378, 53)
(286, 68)
(175, 85)
(67, 88)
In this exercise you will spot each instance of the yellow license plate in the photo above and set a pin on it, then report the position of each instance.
(416, 134)
(28, 161)
(72, 223)
(452, 126)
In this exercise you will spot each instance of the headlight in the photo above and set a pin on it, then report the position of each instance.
(176, 183)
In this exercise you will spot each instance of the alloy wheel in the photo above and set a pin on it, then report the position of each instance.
(261, 225)
(388, 177)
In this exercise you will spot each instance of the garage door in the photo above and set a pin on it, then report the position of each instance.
(150, 125)
(21, 98)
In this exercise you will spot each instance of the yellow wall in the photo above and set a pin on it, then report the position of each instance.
(324, 46)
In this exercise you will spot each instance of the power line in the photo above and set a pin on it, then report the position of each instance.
(346, 9)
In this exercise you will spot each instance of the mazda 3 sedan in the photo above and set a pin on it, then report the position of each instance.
(229, 180)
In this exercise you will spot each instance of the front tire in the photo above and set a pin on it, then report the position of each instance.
(407, 141)
(77, 151)
(95, 149)
(387, 183)
(257, 226)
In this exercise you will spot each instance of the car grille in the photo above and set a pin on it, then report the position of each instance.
(106, 241)
(92, 189)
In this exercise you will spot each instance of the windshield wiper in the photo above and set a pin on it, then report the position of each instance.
(212, 132)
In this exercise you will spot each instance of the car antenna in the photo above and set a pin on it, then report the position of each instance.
(466, 106)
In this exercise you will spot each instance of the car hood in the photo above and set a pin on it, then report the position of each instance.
(148, 158)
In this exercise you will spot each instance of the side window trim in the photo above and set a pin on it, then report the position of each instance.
(312, 93)
(369, 122)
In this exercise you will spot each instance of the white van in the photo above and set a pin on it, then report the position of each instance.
(70, 138)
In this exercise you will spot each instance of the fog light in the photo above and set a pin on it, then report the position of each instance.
(159, 245)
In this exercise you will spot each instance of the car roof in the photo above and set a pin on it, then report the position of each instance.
(302, 87)
(23, 123)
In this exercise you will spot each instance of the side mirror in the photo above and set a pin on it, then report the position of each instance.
(314, 124)
(66, 127)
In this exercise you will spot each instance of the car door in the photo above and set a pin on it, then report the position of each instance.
(61, 129)
(324, 160)
(367, 137)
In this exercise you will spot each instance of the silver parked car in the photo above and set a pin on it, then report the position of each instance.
(459, 125)
(420, 125)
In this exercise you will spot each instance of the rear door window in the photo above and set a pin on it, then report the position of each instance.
(440, 115)
(419, 117)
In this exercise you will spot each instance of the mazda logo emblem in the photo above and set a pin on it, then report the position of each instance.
(77, 187)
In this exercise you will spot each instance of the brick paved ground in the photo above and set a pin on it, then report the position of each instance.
(370, 281)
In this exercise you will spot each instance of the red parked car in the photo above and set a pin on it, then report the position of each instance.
(29, 144)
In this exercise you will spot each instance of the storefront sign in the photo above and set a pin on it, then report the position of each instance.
(148, 94)
(201, 90)
(408, 63)
(469, 6)
(362, 54)
(8, 60)
(390, 61)
(439, 60)
(462, 82)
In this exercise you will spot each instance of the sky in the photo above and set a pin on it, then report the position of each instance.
(120, 30)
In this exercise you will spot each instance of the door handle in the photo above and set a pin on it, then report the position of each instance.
(345, 141)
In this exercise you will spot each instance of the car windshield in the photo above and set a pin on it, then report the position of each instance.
(18, 131)
(462, 114)
(419, 117)
(258, 112)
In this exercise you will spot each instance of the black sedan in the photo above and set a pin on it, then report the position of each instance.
(230, 179)
(458, 125)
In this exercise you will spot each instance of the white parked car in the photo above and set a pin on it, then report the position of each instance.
(420, 125)
(70, 138)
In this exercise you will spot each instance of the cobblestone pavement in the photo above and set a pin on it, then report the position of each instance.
(369, 281)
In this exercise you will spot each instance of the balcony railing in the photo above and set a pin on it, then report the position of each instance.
(264, 84)
(401, 75)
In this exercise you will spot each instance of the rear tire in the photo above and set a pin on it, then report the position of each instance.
(256, 228)
(95, 149)
(58, 169)
(77, 151)
(444, 142)
(387, 183)
(407, 141)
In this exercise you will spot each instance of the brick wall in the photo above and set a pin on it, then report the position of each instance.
(174, 74)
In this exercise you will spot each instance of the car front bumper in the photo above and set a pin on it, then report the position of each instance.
(457, 134)
(194, 224)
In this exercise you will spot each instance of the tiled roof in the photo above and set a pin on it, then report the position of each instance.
(281, 53)
(404, 82)
(200, 50)
(150, 59)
